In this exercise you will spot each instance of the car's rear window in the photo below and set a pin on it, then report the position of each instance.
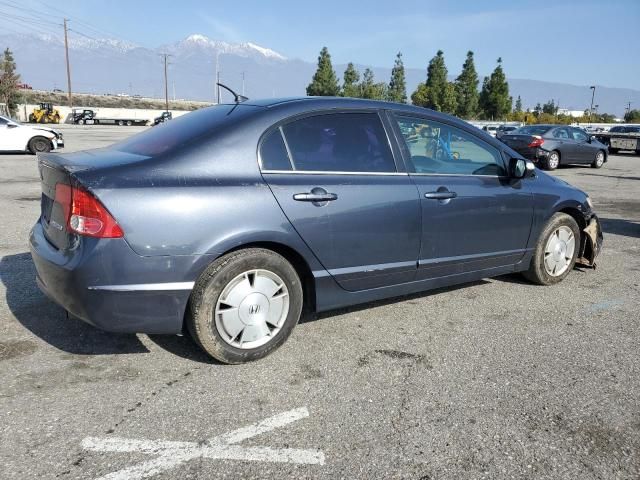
(184, 129)
(533, 130)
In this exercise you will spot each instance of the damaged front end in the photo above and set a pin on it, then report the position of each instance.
(591, 243)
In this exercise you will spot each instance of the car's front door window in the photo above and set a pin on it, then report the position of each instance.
(438, 148)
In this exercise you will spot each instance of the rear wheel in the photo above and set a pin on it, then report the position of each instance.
(599, 160)
(552, 161)
(120, 122)
(556, 251)
(81, 122)
(39, 145)
(245, 305)
(129, 123)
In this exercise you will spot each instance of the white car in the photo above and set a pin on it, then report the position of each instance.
(17, 137)
(491, 129)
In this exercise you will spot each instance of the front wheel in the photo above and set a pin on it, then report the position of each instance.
(39, 145)
(599, 160)
(245, 305)
(556, 251)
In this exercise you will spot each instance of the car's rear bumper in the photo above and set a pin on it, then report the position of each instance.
(106, 284)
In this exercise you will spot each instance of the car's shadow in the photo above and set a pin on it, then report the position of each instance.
(49, 322)
(620, 226)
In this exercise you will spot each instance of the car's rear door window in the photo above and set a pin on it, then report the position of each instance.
(339, 142)
(273, 152)
(438, 148)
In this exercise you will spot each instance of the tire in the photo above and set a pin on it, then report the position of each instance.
(552, 161)
(120, 122)
(39, 145)
(129, 123)
(541, 269)
(234, 284)
(598, 162)
(32, 118)
(81, 122)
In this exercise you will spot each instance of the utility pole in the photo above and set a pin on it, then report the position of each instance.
(66, 52)
(628, 109)
(593, 94)
(165, 57)
(243, 84)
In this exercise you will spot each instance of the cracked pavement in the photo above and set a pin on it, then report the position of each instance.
(496, 379)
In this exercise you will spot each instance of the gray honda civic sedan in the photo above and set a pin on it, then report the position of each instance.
(231, 221)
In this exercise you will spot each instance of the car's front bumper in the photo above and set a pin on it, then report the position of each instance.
(108, 285)
(591, 245)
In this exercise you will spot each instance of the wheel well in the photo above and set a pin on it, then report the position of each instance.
(298, 262)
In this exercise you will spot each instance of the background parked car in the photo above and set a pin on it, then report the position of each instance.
(553, 145)
(490, 129)
(502, 130)
(17, 137)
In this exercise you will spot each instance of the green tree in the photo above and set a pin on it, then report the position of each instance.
(397, 91)
(450, 99)
(9, 80)
(420, 96)
(433, 96)
(632, 116)
(518, 108)
(350, 79)
(550, 108)
(370, 89)
(495, 101)
(324, 82)
(466, 86)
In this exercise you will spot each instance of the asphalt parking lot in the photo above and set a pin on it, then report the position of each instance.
(497, 379)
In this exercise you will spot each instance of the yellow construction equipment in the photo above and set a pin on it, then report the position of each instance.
(45, 113)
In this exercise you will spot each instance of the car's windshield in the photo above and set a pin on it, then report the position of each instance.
(533, 130)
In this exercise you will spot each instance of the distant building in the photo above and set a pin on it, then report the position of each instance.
(571, 113)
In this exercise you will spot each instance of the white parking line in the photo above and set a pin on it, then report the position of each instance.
(171, 454)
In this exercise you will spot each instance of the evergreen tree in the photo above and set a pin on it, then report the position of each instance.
(324, 82)
(467, 89)
(432, 95)
(495, 101)
(632, 116)
(450, 99)
(550, 108)
(350, 79)
(371, 90)
(518, 108)
(420, 96)
(9, 82)
(397, 91)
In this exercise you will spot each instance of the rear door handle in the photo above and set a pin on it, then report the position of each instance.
(315, 197)
(440, 195)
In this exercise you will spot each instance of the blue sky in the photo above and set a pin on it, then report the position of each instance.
(580, 42)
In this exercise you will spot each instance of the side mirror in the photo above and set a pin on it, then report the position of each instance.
(520, 168)
(591, 138)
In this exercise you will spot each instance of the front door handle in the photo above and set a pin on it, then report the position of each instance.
(446, 195)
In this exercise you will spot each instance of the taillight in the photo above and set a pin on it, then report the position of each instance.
(85, 215)
(536, 142)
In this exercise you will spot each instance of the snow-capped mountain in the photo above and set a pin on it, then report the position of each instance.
(115, 66)
(198, 43)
